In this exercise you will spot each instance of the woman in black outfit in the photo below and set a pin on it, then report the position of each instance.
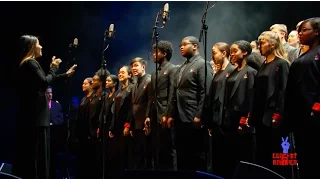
(32, 157)
(93, 120)
(268, 100)
(236, 134)
(120, 125)
(82, 126)
(302, 106)
(112, 84)
(220, 56)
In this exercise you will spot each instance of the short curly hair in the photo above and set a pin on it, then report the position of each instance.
(99, 73)
(165, 47)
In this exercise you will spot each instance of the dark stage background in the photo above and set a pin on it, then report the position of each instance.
(58, 23)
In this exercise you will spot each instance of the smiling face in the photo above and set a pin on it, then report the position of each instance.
(237, 55)
(123, 75)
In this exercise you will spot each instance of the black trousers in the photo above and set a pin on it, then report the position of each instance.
(89, 163)
(164, 149)
(120, 155)
(307, 146)
(140, 154)
(32, 158)
(191, 146)
(228, 149)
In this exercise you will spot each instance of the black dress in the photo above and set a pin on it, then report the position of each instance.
(32, 156)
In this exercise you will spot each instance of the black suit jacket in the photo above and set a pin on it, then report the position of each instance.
(34, 109)
(303, 87)
(214, 112)
(189, 94)
(123, 113)
(95, 110)
(140, 99)
(56, 114)
(240, 100)
(165, 91)
(277, 80)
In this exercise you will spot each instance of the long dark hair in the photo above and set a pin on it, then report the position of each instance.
(115, 79)
(27, 46)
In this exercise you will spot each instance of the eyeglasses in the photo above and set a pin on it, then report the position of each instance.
(184, 44)
(305, 30)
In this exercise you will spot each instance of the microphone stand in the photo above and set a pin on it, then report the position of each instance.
(294, 175)
(204, 30)
(72, 49)
(155, 37)
(103, 121)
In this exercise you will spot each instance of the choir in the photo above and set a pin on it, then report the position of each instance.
(253, 96)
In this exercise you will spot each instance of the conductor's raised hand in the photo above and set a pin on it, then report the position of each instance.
(71, 70)
(55, 61)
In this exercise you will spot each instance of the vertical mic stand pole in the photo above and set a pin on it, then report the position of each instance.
(155, 37)
(68, 81)
(204, 29)
(103, 120)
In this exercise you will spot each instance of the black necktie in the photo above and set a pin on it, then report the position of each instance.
(139, 81)
(183, 67)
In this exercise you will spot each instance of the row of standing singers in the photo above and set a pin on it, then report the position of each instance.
(241, 100)
(245, 116)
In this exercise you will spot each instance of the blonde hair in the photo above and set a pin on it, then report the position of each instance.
(274, 39)
(281, 27)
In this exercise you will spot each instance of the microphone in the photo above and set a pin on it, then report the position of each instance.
(75, 42)
(74, 45)
(165, 14)
(111, 31)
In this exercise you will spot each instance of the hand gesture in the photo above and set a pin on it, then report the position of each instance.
(55, 61)
(285, 145)
(71, 70)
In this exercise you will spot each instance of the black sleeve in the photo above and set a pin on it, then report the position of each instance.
(41, 79)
